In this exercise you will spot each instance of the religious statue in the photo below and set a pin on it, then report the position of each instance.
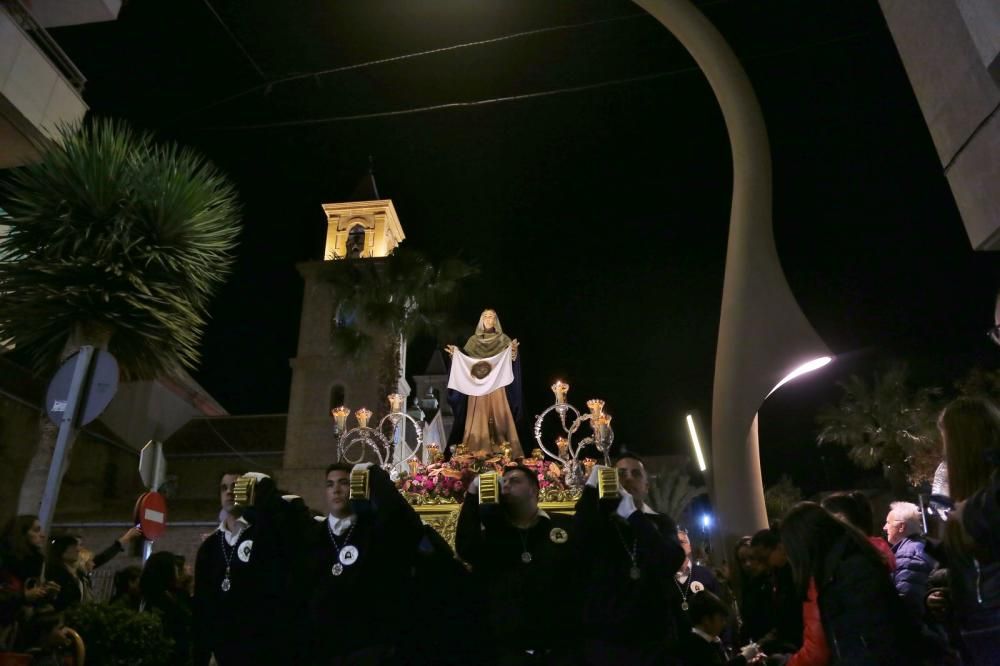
(484, 389)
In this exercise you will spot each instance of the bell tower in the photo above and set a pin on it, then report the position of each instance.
(364, 229)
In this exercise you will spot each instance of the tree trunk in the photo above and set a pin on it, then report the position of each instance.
(33, 485)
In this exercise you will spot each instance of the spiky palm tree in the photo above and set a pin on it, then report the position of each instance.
(885, 422)
(403, 295)
(672, 492)
(115, 241)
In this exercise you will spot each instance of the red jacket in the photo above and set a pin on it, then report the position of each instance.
(814, 650)
(882, 546)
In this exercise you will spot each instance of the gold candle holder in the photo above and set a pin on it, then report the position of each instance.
(396, 403)
(362, 415)
(435, 452)
(560, 389)
(413, 465)
(505, 450)
(602, 427)
(563, 445)
(537, 454)
(596, 407)
(588, 464)
(340, 415)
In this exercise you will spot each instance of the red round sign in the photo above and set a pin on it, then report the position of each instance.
(151, 514)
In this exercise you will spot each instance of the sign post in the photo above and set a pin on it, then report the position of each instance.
(149, 512)
(77, 395)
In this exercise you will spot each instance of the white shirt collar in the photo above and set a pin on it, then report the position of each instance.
(711, 639)
(340, 525)
(648, 509)
(232, 537)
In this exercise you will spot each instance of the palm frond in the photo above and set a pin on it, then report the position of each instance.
(110, 228)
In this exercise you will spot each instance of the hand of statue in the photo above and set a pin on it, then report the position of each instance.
(450, 349)
(514, 344)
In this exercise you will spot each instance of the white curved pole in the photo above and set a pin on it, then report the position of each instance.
(763, 333)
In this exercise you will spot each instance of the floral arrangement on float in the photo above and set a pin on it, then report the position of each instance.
(445, 481)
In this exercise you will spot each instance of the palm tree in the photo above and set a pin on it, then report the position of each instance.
(115, 241)
(780, 498)
(884, 423)
(672, 492)
(403, 296)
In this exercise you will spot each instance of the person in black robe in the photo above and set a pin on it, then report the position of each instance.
(631, 609)
(359, 606)
(242, 594)
(522, 561)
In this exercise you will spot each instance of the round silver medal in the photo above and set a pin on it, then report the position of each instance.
(526, 557)
(348, 555)
(684, 605)
(634, 573)
(337, 569)
(226, 585)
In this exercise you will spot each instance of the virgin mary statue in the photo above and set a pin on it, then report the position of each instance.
(484, 389)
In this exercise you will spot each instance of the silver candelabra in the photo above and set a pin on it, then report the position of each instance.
(567, 453)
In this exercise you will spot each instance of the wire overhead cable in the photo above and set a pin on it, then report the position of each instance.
(512, 98)
(267, 86)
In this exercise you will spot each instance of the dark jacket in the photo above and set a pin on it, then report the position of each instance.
(643, 614)
(981, 517)
(370, 602)
(696, 651)
(787, 605)
(913, 566)
(756, 610)
(72, 584)
(864, 619)
(510, 587)
(249, 623)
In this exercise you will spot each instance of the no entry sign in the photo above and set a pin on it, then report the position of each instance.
(151, 514)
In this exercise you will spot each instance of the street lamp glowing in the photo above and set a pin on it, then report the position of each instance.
(696, 443)
(814, 364)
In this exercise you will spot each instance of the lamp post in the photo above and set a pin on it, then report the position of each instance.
(762, 331)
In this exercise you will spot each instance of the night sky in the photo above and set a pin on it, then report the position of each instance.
(598, 217)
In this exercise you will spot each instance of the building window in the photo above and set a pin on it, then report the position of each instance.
(356, 242)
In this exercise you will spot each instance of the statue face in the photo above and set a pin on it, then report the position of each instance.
(489, 319)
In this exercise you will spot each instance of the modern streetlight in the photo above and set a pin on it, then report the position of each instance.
(762, 330)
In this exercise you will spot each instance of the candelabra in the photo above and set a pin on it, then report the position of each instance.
(353, 444)
(568, 454)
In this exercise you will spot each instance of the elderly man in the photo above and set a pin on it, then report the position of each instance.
(913, 564)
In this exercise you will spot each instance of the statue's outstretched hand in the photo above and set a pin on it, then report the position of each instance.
(514, 344)
(450, 349)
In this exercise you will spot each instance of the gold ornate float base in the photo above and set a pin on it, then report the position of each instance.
(443, 517)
